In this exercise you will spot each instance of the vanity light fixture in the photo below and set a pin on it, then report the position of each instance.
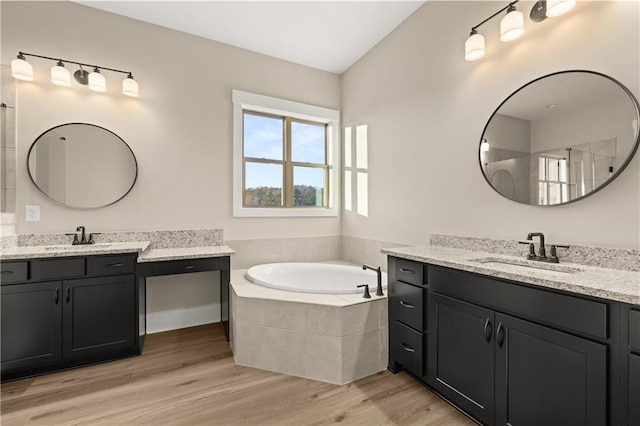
(22, 70)
(484, 146)
(60, 75)
(512, 24)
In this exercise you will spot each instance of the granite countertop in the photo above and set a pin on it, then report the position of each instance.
(27, 252)
(177, 253)
(612, 284)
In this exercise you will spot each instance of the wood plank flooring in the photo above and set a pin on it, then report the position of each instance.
(188, 377)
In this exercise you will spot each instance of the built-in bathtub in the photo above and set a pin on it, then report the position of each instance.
(331, 337)
(317, 278)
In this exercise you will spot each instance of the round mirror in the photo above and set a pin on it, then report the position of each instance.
(82, 165)
(560, 138)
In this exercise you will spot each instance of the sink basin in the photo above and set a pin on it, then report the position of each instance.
(75, 248)
(527, 266)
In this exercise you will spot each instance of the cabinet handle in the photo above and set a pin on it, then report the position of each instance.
(488, 330)
(115, 265)
(7, 272)
(190, 267)
(406, 305)
(500, 335)
(407, 348)
(68, 294)
(56, 295)
(407, 271)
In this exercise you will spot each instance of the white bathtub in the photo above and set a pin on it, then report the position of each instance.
(314, 277)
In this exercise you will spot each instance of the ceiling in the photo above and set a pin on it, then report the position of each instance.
(328, 35)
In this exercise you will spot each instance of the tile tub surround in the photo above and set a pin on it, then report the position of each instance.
(604, 257)
(605, 283)
(325, 337)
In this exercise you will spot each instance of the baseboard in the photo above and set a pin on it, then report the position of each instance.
(182, 318)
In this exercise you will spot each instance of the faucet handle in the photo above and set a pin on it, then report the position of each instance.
(553, 254)
(91, 234)
(532, 249)
(366, 294)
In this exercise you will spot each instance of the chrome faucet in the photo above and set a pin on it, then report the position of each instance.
(378, 271)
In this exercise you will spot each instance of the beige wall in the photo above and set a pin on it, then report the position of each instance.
(426, 108)
(179, 128)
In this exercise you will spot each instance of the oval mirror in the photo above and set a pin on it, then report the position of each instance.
(560, 138)
(82, 165)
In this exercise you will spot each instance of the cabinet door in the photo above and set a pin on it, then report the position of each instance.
(99, 316)
(31, 325)
(546, 377)
(461, 355)
(634, 389)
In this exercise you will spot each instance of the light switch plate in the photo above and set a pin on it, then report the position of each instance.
(32, 213)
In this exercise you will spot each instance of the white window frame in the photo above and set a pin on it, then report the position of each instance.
(245, 101)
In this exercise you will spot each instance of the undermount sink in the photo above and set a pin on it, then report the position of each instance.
(76, 247)
(527, 266)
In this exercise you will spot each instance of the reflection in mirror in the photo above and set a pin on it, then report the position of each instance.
(560, 138)
(82, 165)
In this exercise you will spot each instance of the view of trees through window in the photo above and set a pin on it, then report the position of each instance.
(285, 162)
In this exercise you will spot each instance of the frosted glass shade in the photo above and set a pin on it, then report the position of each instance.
(512, 26)
(60, 76)
(21, 69)
(474, 47)
(130, 87)
(484, 146)
(97, 82)
(559, 7)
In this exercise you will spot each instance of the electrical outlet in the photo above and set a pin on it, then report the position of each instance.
(32, 213)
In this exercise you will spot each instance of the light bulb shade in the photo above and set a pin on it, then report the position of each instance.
(60, 75)
(484, 146)
(512, 26)
(474, 47)
(130, 87)
(21, 69)
(559, 7)
(97, 82)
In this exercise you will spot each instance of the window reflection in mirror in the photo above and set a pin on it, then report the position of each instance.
(560, 138)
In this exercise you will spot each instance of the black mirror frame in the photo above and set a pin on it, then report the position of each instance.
(135, 161)
(634, 101)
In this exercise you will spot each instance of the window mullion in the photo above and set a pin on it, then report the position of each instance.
(288, 167)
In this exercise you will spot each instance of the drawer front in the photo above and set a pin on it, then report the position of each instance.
(566, 311)
(184, 266)
(409, 271)
(634, 329)
(14, 272)
(112, 265)
(407, 303)
(406, 347)
(58, 268)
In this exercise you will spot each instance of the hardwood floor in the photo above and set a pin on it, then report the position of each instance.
(188, 377)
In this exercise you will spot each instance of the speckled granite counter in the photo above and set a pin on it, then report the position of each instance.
(27, 252)
(179, 253)
(613, 284)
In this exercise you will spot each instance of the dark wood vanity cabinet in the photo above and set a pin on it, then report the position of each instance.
(408, 292)
(512, 354)
(48, 325)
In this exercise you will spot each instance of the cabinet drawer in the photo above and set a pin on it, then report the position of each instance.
(111, 265)
(14, 272)
(406, 347)
(634, 329)
(49, 269)
(184, 266)
(572, 313)
(407, 304)
(409, 271)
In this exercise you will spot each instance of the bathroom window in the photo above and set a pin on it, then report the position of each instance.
(356, 170)
(283, 157)
(553, 187)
